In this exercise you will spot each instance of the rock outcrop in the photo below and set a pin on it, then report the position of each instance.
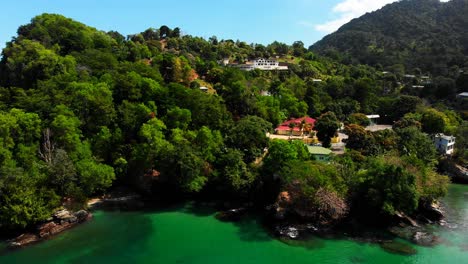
(61, 221)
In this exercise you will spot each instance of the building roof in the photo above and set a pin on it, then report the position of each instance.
(464, 94)
(285, 125)
(287, 128)
(307, 119)
(315, 150)
(443, 136)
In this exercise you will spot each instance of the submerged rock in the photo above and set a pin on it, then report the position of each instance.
(398, 248)
(290, 232)
(425, 239)
(232, 215)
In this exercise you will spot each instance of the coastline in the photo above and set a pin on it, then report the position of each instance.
(61, 221)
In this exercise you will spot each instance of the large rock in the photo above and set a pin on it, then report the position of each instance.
(433, 212)
(61, 221)
(82, 215)
(398, 248)
(425, 239)
(65, 216)
(403, 218)
(23, 240)
(290, 232)
(46, 229)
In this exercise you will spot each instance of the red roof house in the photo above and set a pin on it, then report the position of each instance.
(284, 128)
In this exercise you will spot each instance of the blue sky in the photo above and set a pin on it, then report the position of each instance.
(253, 21)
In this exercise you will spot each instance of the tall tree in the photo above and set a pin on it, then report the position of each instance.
(327, 126)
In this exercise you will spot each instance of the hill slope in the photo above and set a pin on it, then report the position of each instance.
(425, 34)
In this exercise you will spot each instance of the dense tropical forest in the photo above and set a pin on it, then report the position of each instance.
(409, 36)
(82, 111)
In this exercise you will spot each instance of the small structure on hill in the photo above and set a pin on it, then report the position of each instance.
(296, 127)
(373, 119)
(319, 153)
(262, 64)
(444, 144)
(463, 95)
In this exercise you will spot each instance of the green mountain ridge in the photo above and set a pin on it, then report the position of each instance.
(419, 34)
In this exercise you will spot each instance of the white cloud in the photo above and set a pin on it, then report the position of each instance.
(349, 9)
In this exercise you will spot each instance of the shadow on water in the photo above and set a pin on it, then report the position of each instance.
(125, 235)
(357, 259)
(250, 229)
(249, 226)
(104, 239)
(198, 209)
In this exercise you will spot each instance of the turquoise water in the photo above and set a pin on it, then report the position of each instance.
(188, 234)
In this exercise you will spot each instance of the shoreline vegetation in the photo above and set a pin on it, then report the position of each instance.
(85, 112)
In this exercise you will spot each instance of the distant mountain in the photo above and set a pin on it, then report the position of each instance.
(419, 34)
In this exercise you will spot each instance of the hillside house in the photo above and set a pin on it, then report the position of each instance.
(373, 119)
(262, 64)
(463, 95)
(296, 127)
(444, 144)
(319, 153)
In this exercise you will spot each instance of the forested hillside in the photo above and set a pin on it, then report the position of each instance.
(408, 36)
(82, 110)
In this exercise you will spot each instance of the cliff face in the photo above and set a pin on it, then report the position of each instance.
(425, 34)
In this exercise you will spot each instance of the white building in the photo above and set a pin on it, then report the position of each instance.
(373, 119)
(444, 144)
(262, 64)
(463, 95)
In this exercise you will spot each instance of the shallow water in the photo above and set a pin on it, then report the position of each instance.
(188, 234)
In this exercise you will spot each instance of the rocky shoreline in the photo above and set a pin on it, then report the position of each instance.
(280, 225)
(415, 229)
(61, 220)
(65, 219)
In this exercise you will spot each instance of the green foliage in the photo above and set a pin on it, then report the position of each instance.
(23, 200)
(316, 190)
(461, 143)
(94, 176)
(280, 152)
(178, 118)
(413, 142)
(326, 126)
(359, 119)
(390, 184)
(28, 61)
(433, 121)
(235, 173)
(390, 188)
(249, 136)
(62, 173)
(361, 140)
(92, 104)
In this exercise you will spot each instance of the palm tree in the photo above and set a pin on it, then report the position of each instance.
(291, 125)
